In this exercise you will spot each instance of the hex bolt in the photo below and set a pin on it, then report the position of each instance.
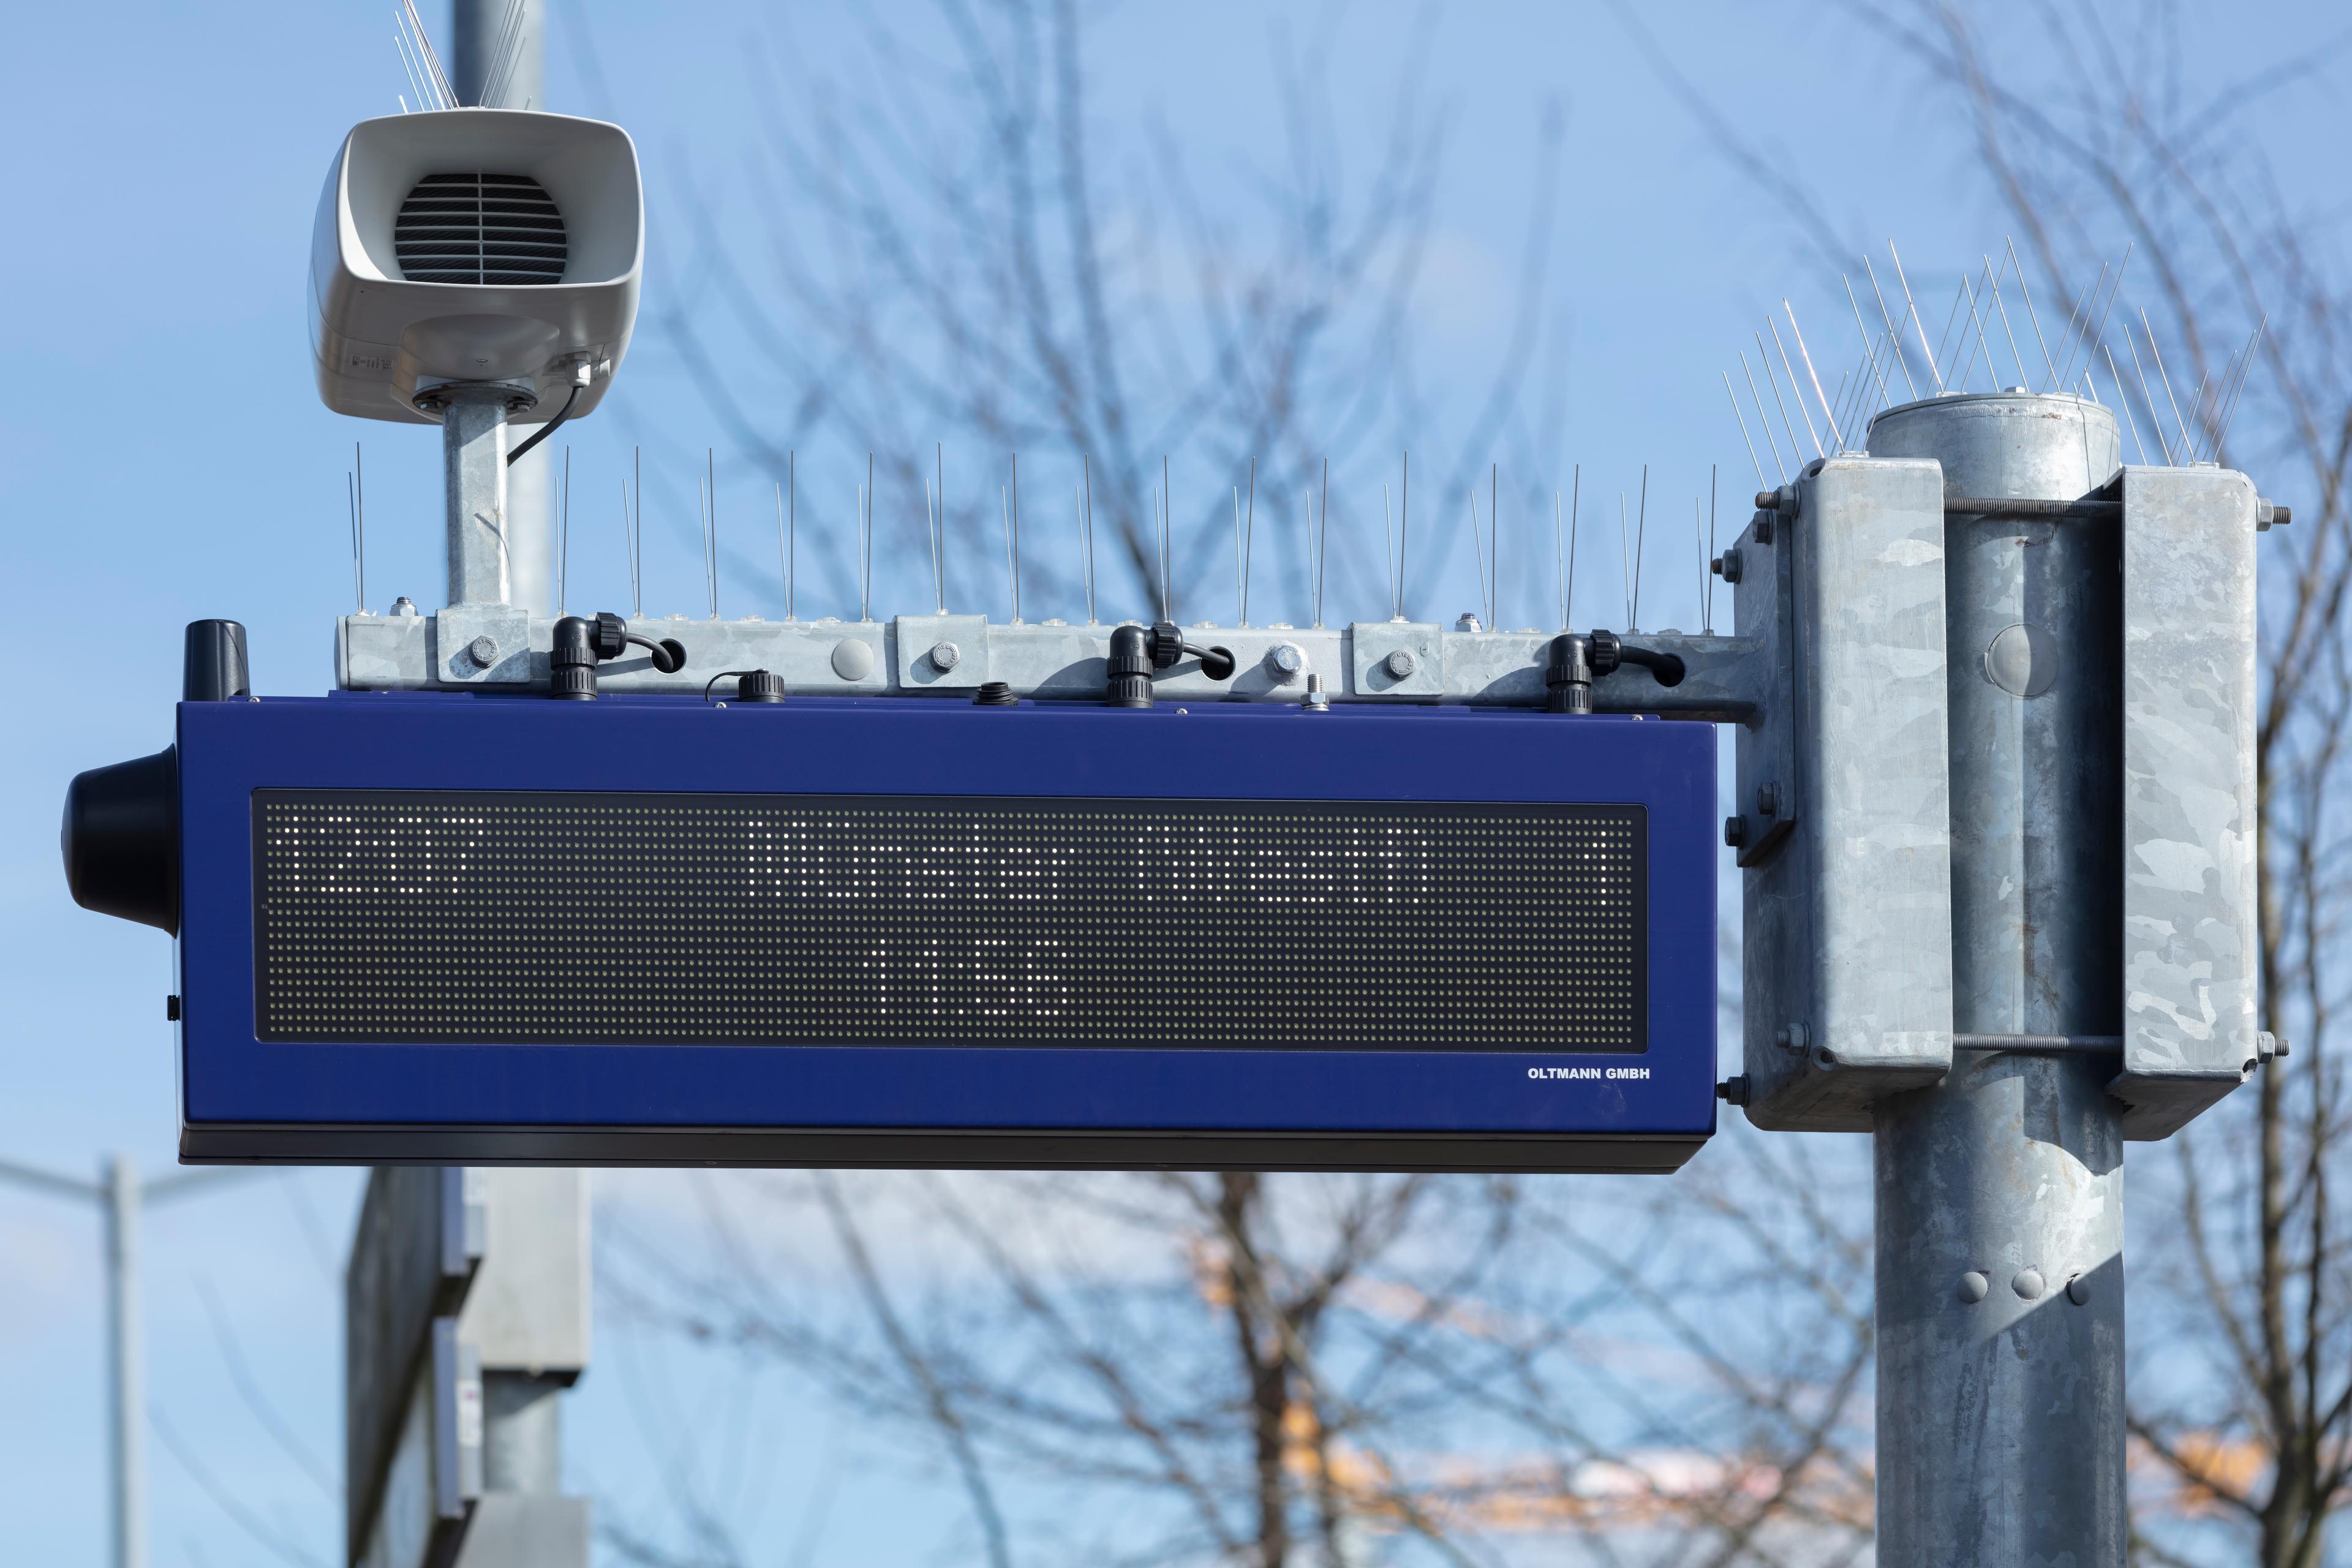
(1285, 660)
(404, 607)
(1734, 831)
(2078, 1290)
(1763, 527)
(944, 656)
(1402, 663)
(1733, 1090)
(1318, 701)
(1768, 799)
(483, 651)
(1974, 1286)
(2028, 1284)
(1467, 622)
(1726, 565)
(1790, 1037)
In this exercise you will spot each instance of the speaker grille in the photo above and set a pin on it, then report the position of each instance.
(480, 228)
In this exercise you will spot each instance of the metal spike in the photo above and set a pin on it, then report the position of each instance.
(1796, 452)
(792, 531)
(865, 548)
(1167, 604)
(1249, 540)
(1307, 546)
(562, 539)
(2114, 289)
(1698, 543)
(1813, 375)
(1625, 558)
(1913, 306)
(2009, 330)
(1323, 540)
(710, 524)
(1792, 370)
(1761, 417)
(1016, 538)
(783, 549)
(1575, 507)
(2155, 421)
(359, 522)
(1969, 288)
(2246, 364)
(1750, 441)
(2030, 313)
(1891, 330)
(1405, 530)
(940, 532)
(2122, 403)
(1086, 511)
(1478, 548)
(1560, 560)
(1388, 541)
(629, 548)
(1641, 536)
(637, 545)
(1869, 349)
(1706, 580)
(1495, 548)
(2070, 340)
(1241, 594)
(2157, 354)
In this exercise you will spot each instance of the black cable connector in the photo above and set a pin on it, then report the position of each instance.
(582, 645)
(1135, 652)
(1579, 658)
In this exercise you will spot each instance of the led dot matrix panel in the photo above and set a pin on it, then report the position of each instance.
(463, 929)
(821, 921)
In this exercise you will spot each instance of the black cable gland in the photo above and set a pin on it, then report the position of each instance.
(1568, 677)
(996, 694)
(572, 666)
(213, 667)
(1132, 655)
(759, 686)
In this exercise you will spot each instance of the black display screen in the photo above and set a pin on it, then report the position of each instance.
(512, 917)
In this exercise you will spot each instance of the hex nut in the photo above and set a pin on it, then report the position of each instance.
(1734, 831)
(944, 655)
(1400, 663)
(483, 651)
(1974, 1286)
(1285, 660)
(1768, 799)
(2029, 1285)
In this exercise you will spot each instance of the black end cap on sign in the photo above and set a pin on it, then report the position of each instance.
(215, 667)
(120, 839)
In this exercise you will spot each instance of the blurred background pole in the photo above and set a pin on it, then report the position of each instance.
(501, 45)
(126, 1362)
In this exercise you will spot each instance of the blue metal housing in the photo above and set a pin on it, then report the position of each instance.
(295, 1102)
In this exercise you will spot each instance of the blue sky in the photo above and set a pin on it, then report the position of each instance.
(163, 457)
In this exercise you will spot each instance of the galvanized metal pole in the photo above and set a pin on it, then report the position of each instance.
(126, 1364)
(481, 524)
(2000, 1191)
(498, 60)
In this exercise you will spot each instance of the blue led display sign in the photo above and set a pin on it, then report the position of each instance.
(460, 928)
